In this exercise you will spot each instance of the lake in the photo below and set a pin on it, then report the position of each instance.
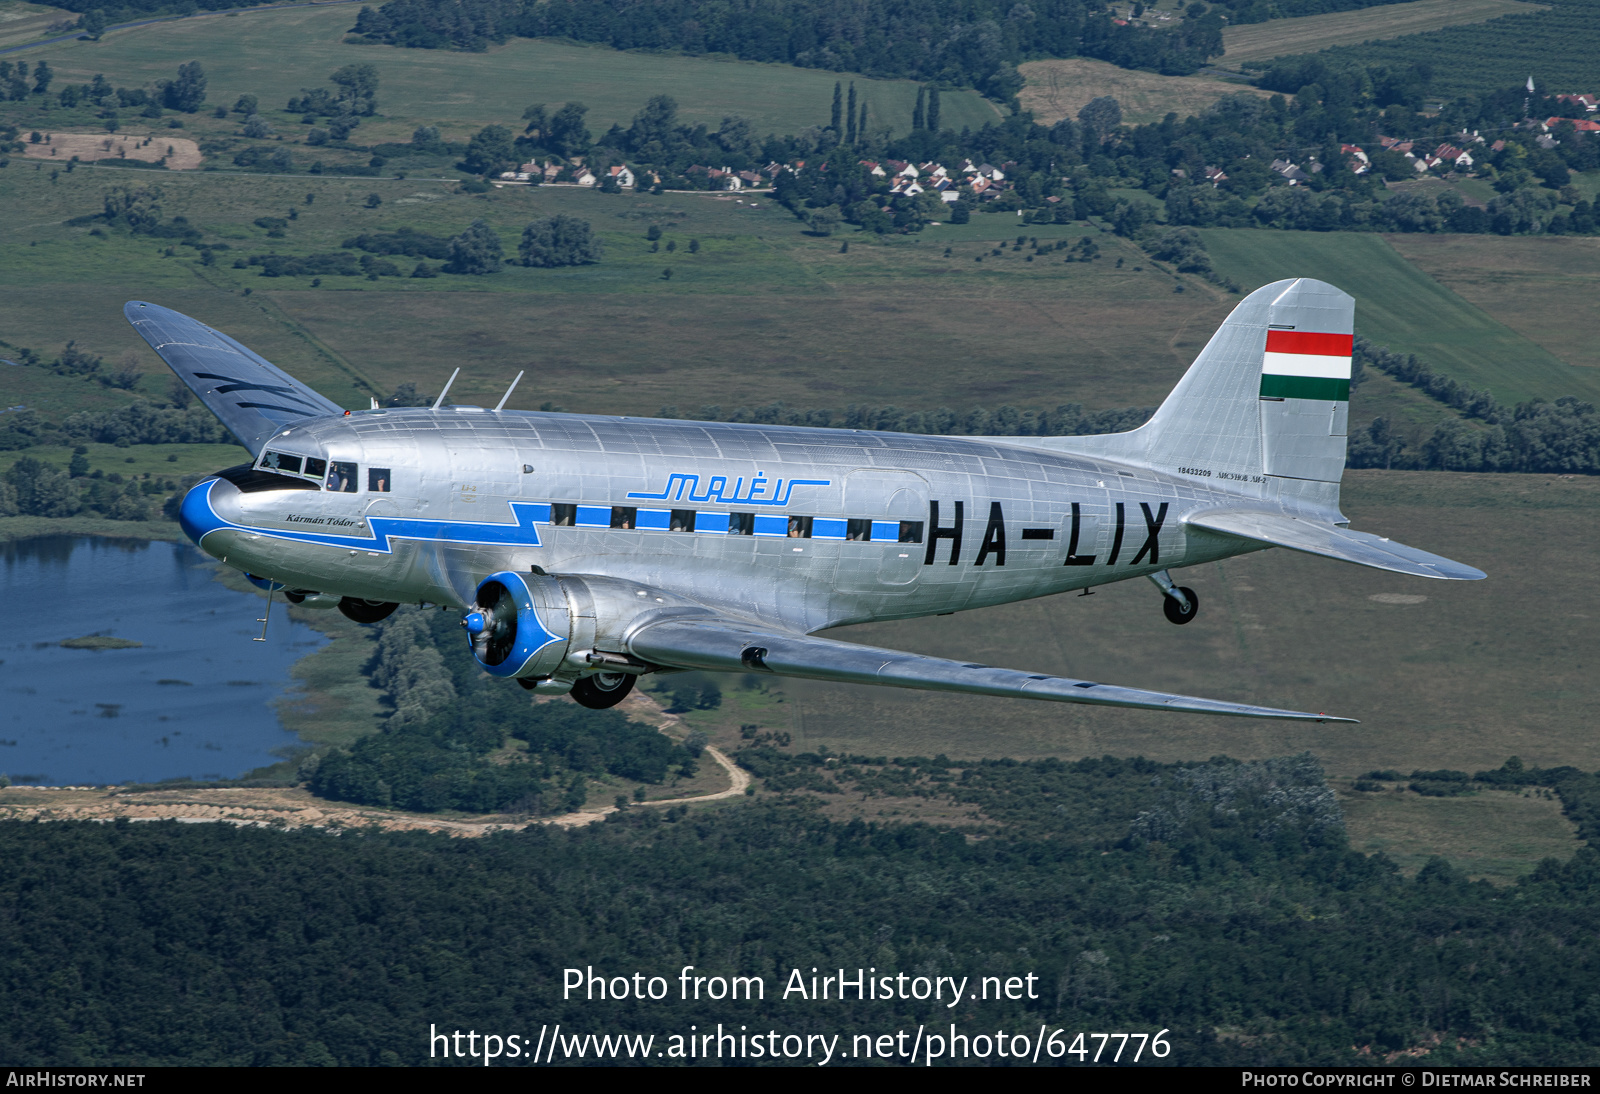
(193, 699)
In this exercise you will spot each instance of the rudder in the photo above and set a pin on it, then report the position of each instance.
(1266, 402)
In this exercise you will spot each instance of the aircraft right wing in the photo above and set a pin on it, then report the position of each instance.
(1330, 541)
(250, 395)
(719, 644)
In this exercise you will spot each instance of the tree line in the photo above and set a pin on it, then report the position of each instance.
(1560, 437)
(1220, 899)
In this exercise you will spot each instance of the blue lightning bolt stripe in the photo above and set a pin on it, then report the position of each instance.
(199, 520)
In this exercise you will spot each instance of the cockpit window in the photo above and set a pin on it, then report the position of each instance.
(342, 477)
(281, 461)
(315, 467)
(378, 480)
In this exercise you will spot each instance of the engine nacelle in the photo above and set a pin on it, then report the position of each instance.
(519, 625)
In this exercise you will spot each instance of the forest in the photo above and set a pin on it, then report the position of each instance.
(444, 746)
(1219, 899)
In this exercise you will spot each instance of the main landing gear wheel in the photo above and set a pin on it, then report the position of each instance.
(603, 689)
(366, 611)
(1174, 608)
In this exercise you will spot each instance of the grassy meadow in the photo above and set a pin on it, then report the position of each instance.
(273, 54)
(1309, 33)
(1441, 674)
(762, 312)
(1542, 287)
(1399, 305)
(22, 22)
(1499, 835)
(1059, 88)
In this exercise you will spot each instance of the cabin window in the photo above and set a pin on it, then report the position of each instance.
(342, 477)
(378, 480)
(564, 516)
(316, 468)
(741, 524)
(858, 529)
(682, 521)
(799, 527)
(911, 531)
(625, 517)
(281, 461)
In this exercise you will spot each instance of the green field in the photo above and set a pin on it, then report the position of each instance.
(763, 312)
(1309, 33)
(1496, 834)
(1400, 306)
(1473, 673)
(1542, 287)
(273, 54)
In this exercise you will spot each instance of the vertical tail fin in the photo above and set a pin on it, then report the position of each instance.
(1266, 402)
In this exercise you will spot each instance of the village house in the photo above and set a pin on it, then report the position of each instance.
(623, 177)
(1582, 125)
(1357, 159)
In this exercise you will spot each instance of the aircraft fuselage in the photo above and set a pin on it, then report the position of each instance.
(808, 527)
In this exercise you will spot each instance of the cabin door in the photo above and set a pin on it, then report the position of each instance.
(896, 503)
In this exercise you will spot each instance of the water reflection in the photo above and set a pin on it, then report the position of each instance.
(193, 699)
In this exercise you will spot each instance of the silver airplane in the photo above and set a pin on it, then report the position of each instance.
(587, 550)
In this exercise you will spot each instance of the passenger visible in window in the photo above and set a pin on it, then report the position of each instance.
(741, 524)
(911, 531)
(342, 477)
(624, 516)
(564, 516)
(682, 520)
(860, 530)
(378, 480)
(799, 527)
(315, 468)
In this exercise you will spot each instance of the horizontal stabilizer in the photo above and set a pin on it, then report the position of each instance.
(1316, 537)
(722, 645)
(250, 395)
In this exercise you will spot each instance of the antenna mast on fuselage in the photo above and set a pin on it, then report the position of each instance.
(437, 403)
(509, 390)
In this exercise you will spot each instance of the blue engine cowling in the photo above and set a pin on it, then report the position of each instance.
(519, 625)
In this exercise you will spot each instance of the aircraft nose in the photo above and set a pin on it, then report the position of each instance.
(196, 516)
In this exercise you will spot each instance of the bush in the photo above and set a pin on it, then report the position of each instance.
(476, 250)
(560, 240)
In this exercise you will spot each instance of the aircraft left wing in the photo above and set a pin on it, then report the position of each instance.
(718, 644)
(250, 395)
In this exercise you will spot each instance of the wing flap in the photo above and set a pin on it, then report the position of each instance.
(718, 644)
(1315, 537)
(250, 395)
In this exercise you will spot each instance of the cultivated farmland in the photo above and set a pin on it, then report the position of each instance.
(1400, 306)
(1309, 33)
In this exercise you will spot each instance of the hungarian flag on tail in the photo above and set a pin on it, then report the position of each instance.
(1306, 365)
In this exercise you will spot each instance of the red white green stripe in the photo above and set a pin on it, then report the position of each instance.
(1306, 365)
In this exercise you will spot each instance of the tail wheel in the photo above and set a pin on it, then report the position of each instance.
(366, 611)
(603, 689)
(1174, 609)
